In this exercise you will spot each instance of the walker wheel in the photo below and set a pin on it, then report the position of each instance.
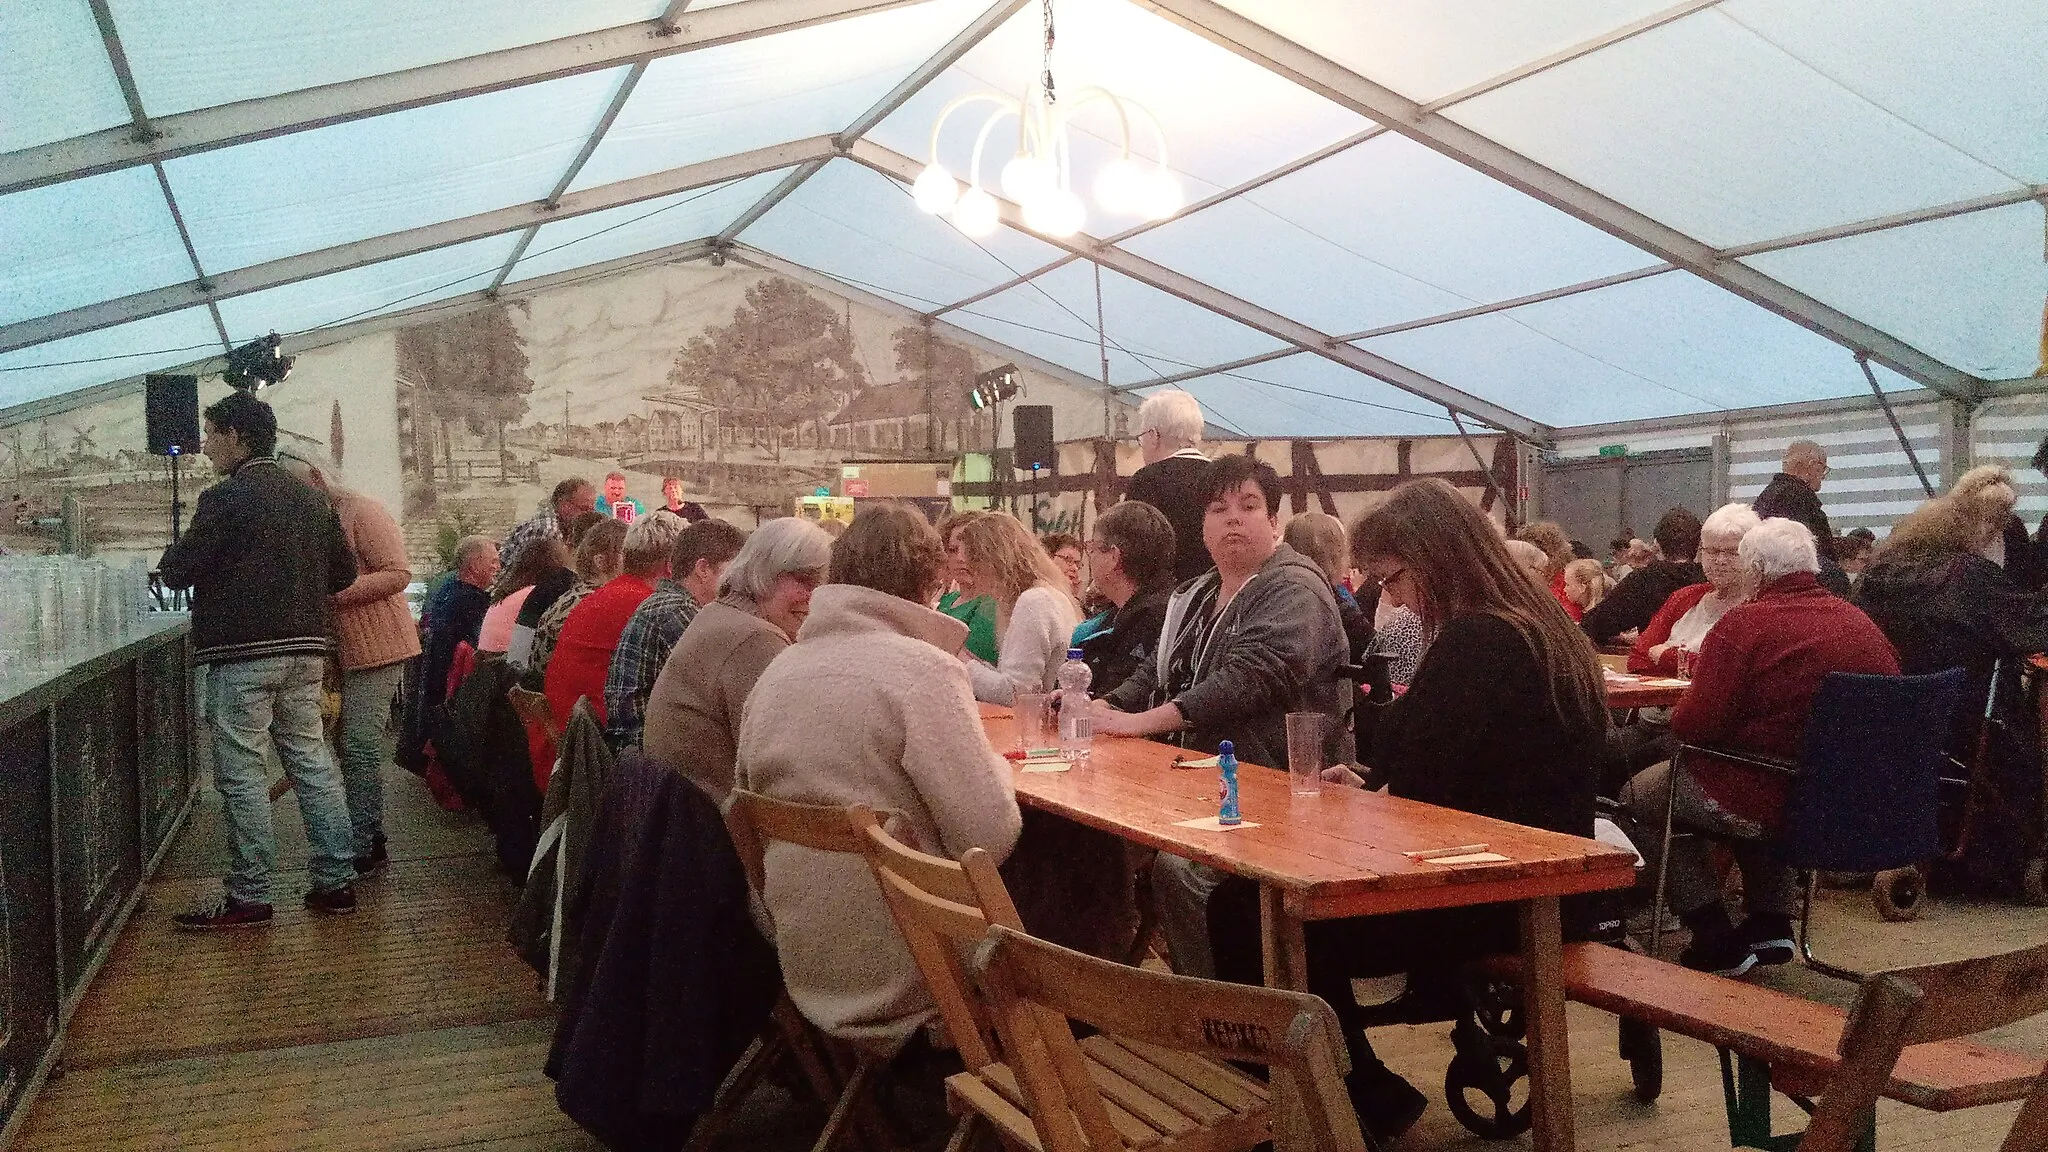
(1897, 892)
(1480, 1088)
(2034, 882)
(1643, 1048)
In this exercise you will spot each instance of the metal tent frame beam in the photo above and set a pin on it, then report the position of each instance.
(904, 169)
(343, 257)
(218, 127)
(1261, 45)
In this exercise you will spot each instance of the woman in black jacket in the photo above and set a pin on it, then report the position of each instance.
(1944, 604)
(1506, 717)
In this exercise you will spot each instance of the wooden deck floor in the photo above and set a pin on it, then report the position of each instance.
(411, 1025)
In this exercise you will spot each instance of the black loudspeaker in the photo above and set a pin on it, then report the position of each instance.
(1033, 429)
(172, 405)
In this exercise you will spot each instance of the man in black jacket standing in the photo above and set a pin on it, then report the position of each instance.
(262, 556)
(1794, 494)
(1645, 590)
(1170, 436)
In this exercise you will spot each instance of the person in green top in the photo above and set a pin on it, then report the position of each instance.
(979, 612)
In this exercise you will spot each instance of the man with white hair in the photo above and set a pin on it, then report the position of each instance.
(1794, 494)
(1170, 436)
(697, 561)
(1759, 670)
(374, 637)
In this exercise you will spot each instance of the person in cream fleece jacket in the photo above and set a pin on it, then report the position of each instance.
(870, 706)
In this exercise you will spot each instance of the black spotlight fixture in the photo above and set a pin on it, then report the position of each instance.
(993, 386)
(257, 363)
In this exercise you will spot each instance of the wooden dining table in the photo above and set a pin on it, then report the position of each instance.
(1345, 852)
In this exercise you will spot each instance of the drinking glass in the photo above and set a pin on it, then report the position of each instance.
(1688, 663)
(1305, 752)
(1030, 709)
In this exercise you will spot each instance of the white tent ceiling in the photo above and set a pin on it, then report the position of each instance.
(1540, 213)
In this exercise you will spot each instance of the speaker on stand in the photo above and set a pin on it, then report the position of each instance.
(1032, 435)
(171, 418)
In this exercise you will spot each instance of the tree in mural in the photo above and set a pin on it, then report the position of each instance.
(786, 360)
(946, 373)
(469, 371)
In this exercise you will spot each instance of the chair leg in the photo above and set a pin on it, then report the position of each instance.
(1664, 859)
(966, 1134)
(844, 1108)
(1806, 936)
(738, 1085)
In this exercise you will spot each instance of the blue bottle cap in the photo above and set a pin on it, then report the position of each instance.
(1073, 653)
(1226, 748)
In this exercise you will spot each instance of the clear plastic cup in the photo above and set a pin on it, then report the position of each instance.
(1305, 761)
(1030, 709)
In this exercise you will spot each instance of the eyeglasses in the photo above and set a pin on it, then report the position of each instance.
(1389, 578)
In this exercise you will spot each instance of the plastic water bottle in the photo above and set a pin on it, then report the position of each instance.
(1077, 724)
(1226, 759)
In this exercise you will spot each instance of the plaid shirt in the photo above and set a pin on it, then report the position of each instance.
(541, 527)
(643, 648)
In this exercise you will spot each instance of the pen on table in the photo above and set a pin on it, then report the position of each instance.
(1434, 853)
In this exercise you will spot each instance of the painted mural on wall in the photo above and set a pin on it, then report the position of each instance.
(750, 387)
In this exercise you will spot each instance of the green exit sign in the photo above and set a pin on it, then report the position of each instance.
(1611, 450)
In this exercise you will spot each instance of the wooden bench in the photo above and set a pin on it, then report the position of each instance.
(1778, 1040)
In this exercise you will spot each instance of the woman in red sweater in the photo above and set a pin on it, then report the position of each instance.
(1692, 611)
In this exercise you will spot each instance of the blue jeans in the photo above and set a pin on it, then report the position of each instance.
(277, 701)
(365, 725)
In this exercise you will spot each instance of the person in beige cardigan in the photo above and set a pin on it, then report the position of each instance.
(870, 706)
(694, 710)
(375, 636)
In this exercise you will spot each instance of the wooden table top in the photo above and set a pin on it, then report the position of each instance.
(1629, 691)
(1336, 854)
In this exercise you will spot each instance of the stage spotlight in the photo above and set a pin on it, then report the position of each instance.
(257, 363)
(993, 386)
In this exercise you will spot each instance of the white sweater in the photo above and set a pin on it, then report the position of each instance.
(1030, 652)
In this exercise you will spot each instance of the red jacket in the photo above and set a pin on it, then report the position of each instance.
(583, 655)
(1759, 671)
(1571, 606)
(1658, 631)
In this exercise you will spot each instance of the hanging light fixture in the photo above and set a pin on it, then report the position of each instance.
(1039, 175)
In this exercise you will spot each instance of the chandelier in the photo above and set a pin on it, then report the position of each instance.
(1039, 175)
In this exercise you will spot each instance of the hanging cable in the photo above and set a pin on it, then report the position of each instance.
(1863, 362)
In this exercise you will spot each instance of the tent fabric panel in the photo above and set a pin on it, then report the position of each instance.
(75, 362)
(1665, 345)
(54, 47)
(859, 226)
(807, 82)
(642, 227)
(68, 245)
(1980, 85)
(189, 54)
(310, 190)
(1225, 119)
(1967, 290)
(1425, 49)
(1709, 128)
(1392, 231)
(1307, 395)
(372, 290)
(1150, 333)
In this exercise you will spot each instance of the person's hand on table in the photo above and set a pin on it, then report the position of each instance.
(1657, 651)
(1342, 774)
(1110, 722)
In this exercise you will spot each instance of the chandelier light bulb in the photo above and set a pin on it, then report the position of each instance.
(975, 213)
(1160, 195)
(1059, 214)
(1028, 178)
(935, 190)
(1120, 187)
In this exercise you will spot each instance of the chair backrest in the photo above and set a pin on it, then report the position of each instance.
(755, 820)
(1865, 798)
(1908, 1006)
(532, 708)
(944, 910)
(1295, 1035)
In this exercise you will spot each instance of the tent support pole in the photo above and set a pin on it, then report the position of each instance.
(1863, 362)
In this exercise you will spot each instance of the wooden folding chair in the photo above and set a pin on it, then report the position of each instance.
(1938, 1002)
(1128, 1087)
(836, 1071)
(532, 708)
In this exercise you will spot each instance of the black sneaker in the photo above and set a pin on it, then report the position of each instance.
(1769, 937)
(1721, 955)
(376, 861)
(332, 901)
(1387, 1105)
(224, 912)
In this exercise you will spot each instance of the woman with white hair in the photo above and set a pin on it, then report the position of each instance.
(1170, 437)
(693, 714)
(1691, 612)
(1760, 668)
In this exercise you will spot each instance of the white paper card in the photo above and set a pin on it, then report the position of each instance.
(1046, 766)
(1469, 858)
(1210, 824)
